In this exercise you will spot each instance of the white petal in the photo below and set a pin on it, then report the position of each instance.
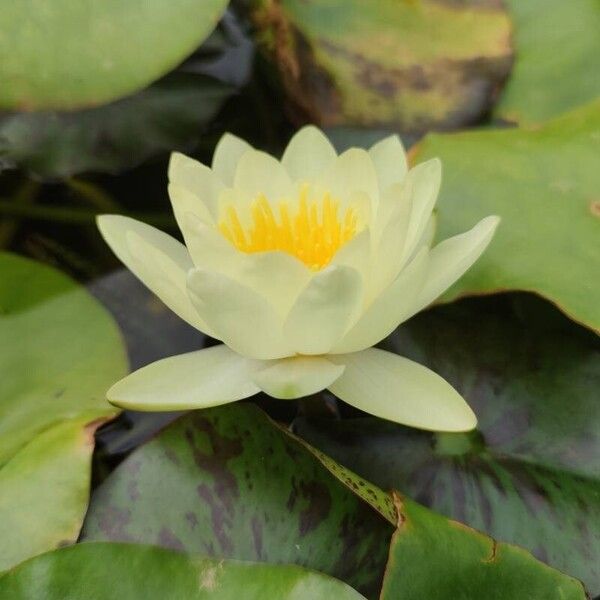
(390, 244)
(450, 259)
(324, 310)
(392, 387)
(308, 154)
(352, 172)
(185, 202)
(387, 311)
(296, 377)
(159, 261)
(199, 181)
(356, 254)
(195, 380)
(259, 173)
(276, 275)
(227, 154)
(423, 184)
(242, 318)
(389, 159)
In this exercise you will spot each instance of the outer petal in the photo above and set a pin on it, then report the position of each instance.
(278, 276)
(451, 258)
(308, 154)
(324, 311)
(259, 173)
(202, 185)
(390, 309)
(296, 377)
(195, 380)
(242, 318)
(423, 183)
(227, 154)
(390, 162)
(352, 171)
(159, 261)
(392, 387)
(185, 202)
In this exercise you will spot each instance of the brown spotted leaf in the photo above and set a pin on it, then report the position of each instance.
(411, 64)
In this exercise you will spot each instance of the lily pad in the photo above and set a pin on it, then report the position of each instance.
(531, 474)
(437, 559)
(65, 55)
(556, 41)
(130, 572)
(227, 482)
(60, 351)
(545, 184)
(110, 138)
(410, 65)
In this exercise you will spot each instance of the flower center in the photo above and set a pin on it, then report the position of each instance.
(311, 230)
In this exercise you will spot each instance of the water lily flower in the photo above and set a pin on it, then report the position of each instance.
(299, 267)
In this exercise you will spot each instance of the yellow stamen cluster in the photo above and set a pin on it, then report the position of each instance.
(313, 232)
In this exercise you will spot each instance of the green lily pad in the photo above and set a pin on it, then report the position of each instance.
(412, 65)
(437, 559)
(110, 138)
(130, 572)
(531, 474)
(557, 59)
(227, 482)
(60, 351)
(65, 55)
(545, 184)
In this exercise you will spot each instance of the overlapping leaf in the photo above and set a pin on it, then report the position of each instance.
(65, 55)
(531, 474)
(544, 183)
(557, 59)
(437, 559)
(131, 572)
(59, 353)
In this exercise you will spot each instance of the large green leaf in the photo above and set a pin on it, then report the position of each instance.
(544, 183)
(65, 54)
(558, 59)
(531, 475)
(132, 572)
(439, 560)
(412, 65)
(60, 351)
(163, 117)
(228, 483)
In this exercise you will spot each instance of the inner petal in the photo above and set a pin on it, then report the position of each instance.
(312, 229)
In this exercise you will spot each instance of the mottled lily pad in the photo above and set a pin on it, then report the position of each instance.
(131, 572)
(65, 55)
(60, 351)
(557, 59)
(531, 474)
(226, 482)
(412, 65)
(545, 184)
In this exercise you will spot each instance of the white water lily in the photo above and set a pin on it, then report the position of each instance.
(299, 267)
